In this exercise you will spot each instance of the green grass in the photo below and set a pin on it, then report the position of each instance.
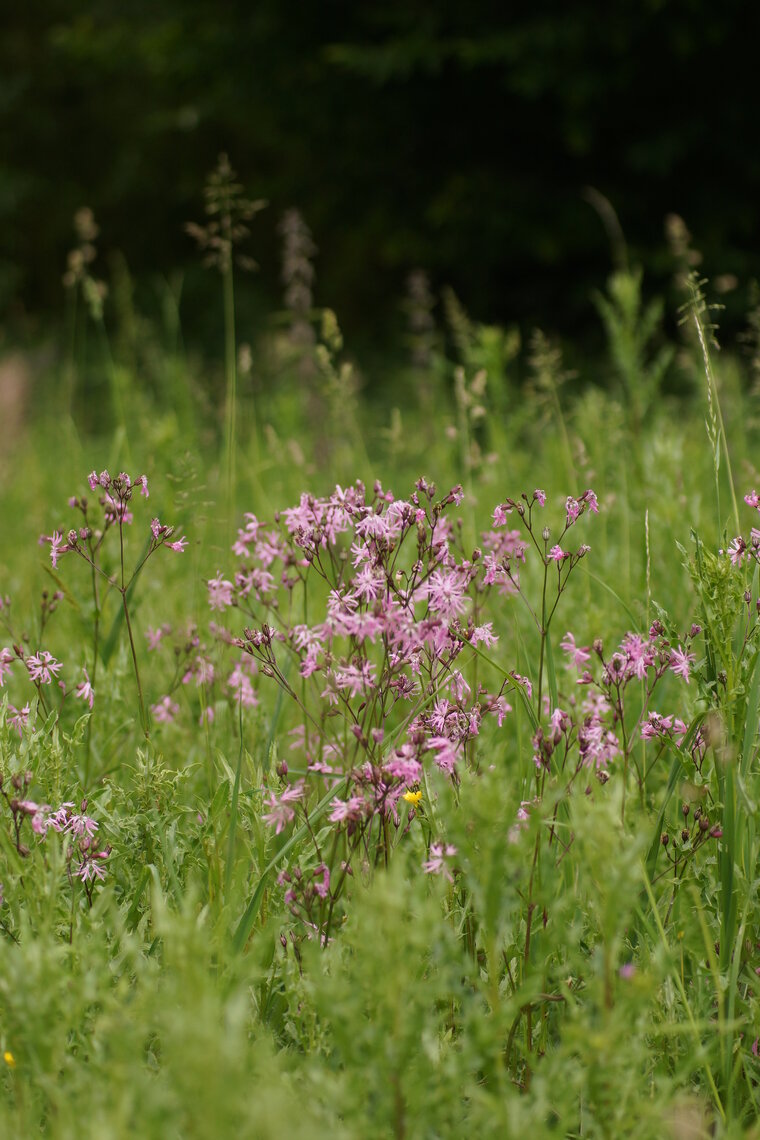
(182, 998)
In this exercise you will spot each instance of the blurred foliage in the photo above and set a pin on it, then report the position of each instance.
(456, 138)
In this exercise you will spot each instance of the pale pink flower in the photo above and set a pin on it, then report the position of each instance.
(681, 662)
(436, 862)
(219, 592)
(558, 554)
(43, 667)
(57, 546)
(736, 550)
(85, 690)
(18, 718)
(179, 546)
(91, 867)
(347, 811)
(572, 510)
(322, 886)
(165, 710)
(579, 654)
(155, 636)
(7, 657)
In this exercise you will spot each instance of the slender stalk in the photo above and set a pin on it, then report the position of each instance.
(123, 591)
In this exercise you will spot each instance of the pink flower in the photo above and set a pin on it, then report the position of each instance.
(752, 499)
(322, 887)
(180, 546)
(85, 690)
(558, 554)
(445, 753)
(165, 710)
(57, 546)
(6, 660)
(239, 684)
(280, 812)
(736, 550)
(43, 667)
(579, 654)
(681, 662)
(436, 862)
(540, 497)
(219, 592)
(155, 636)
(526, 684)
(90, 868)
(347, 811)
(484, 634)
(19, 718)
(445, 592)
(572, 510)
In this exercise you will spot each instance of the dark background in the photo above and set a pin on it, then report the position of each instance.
(458, 138)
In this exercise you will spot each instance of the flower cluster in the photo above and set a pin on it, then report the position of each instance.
(380, 672)
(83, 857)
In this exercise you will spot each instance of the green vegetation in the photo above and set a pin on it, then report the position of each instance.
(337, 886)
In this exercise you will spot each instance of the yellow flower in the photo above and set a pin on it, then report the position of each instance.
(412, 798)
(9, 1059)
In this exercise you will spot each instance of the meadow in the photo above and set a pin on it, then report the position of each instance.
(380, 758)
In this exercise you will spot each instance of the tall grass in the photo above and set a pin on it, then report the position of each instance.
(534, 942)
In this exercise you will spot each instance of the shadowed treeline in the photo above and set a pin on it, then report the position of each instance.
(456, 139)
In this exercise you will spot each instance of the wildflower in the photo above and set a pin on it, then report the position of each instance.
(85, 690)
(540, 497)
(89, 870)
(322, 888)
(219, 592)
(43, 667)
(736, 550)
(280, 812)
(82, 826)
(165, 710)
(558, 554)
(579, 654)
(18, 718)
(526, 684)
(6, 660)
(627, 970)
(412, 798)
(239, 684)
(350, 811)
(572, 510)
(9, 1059)
(436, 862)
(155, 636)
(57, 545)
(445, 594)
(681, 662)
(180, 546)
(484, 634)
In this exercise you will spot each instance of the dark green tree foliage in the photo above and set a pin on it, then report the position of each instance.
(457, 137)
